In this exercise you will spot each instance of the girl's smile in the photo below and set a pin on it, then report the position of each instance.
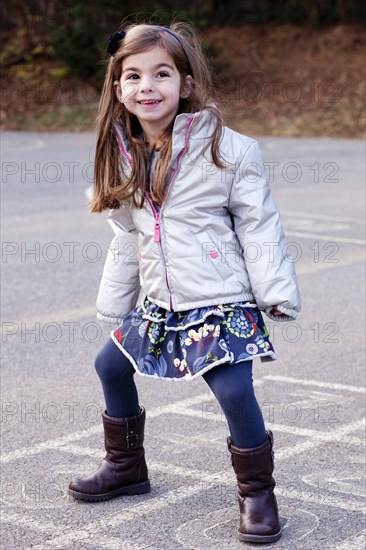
(150, 88)
(149, 102)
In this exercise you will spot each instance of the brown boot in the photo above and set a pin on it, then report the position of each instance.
(123, 470)
(259, 521)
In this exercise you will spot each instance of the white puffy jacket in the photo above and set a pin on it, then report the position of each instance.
(218, 237)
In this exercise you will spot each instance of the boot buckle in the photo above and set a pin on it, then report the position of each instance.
(131, 438)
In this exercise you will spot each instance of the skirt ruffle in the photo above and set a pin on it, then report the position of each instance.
(177, 345)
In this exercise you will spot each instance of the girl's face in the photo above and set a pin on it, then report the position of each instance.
(150, 88)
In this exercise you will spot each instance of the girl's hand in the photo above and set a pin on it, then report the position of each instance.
(276, 312)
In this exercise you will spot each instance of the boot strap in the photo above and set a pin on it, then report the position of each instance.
(131, 438)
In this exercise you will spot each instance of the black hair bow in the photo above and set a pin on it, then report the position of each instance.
(114, 41)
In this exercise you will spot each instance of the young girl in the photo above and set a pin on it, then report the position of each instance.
(198, 253)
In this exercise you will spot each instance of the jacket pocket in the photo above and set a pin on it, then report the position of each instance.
(211, 254)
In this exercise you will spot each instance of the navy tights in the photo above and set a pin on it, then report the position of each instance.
(232, 386)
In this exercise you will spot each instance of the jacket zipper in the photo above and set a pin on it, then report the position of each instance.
(157, 213)
(157, 239)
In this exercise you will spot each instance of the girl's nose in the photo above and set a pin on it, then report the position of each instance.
(146, 84)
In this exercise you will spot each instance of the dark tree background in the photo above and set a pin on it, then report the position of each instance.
(282, 67)
(75, 32)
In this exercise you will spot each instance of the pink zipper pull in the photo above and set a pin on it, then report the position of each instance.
(157, 228)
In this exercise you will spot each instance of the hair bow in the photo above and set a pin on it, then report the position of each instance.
(114, 42)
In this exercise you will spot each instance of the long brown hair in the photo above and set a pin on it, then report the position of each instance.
(111, 184)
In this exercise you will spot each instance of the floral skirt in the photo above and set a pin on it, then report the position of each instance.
(177, 345)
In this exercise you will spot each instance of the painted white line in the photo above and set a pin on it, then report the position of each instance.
(49, 445)
(316, 383)
(187, 441)
(60, 317)
(21, 520)
(118, 544)
(181, 442)
(326, 217)
(204, 477)
(154, 504)
(317, 438)
(342, 482)
(83, 451)
(214, 531)
(58, 442)
(357, 542)
(216, 478)
(320, 439)
(165, 409)
(314, 434)
(228, 478)
(39, 221)
(36, 144)
(330, 238)
(130, 513)
(315, 267)
(52, 528)
(308, 497)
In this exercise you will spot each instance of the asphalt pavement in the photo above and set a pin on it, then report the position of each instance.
(312, 397)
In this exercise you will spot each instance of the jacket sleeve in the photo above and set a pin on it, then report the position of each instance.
(119, 290)
(259, 230)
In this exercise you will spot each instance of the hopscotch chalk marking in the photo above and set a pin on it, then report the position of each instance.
(316, 383)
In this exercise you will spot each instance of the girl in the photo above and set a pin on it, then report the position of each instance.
(198, 253)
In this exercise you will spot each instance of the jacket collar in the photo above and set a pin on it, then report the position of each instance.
(187, 127)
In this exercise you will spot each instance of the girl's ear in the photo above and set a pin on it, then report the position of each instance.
(117, 90)
(187, 83)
